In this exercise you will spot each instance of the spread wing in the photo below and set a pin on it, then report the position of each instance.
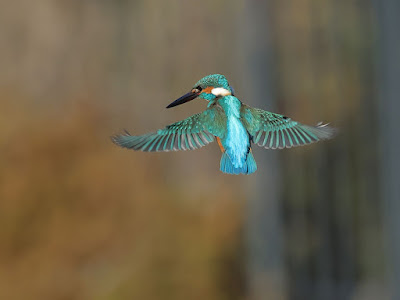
(189, 134)
(272, 131)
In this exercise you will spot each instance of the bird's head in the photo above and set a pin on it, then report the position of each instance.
(208, 88)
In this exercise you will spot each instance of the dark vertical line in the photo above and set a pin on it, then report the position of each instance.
(323, 284)
(264, 225)
(388, 12)
(342, 197)
(323, 216)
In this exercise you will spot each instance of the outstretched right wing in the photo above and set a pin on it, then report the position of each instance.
(189, 134)
(272, 131)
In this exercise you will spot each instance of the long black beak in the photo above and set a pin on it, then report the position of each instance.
(185, 98)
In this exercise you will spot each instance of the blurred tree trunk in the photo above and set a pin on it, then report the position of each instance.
(389, 71)
(264, 225)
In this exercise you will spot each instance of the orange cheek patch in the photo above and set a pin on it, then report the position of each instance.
(208, 90)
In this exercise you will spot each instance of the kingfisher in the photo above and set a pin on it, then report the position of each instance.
(234, 125)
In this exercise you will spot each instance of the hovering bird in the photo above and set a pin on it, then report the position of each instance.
(234, 125)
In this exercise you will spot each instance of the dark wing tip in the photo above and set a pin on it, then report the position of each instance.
(325, 132)
(120, 139)
(115, 139)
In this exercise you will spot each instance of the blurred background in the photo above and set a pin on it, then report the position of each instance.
(83, 219)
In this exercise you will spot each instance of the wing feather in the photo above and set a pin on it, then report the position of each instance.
(273, 131)
(189, 134)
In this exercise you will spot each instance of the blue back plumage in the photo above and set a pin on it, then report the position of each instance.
(236, 141)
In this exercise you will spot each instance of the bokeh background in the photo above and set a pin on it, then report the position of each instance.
(83, 219)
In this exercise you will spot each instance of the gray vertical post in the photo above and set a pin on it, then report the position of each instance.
(389, 89)
(263, 228)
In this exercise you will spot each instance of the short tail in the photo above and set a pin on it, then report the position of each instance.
(248, 167)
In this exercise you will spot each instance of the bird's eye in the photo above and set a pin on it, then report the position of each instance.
(197, 89)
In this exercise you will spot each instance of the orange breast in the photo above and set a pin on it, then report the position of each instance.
(220, 145)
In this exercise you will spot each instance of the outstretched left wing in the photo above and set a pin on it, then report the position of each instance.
(189, 134)
(273, 131)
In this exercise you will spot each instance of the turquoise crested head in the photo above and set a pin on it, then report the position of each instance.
(208, 88)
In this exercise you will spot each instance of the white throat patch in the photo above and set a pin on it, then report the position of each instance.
(220, 92)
